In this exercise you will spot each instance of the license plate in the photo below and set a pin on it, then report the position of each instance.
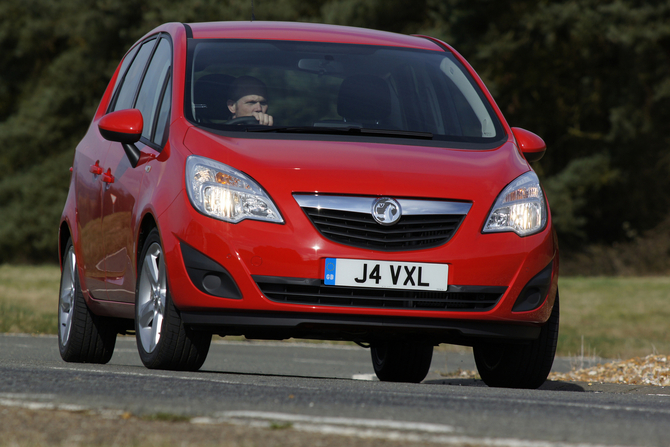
(394, 275)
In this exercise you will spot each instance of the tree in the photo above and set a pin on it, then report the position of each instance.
(590, 76)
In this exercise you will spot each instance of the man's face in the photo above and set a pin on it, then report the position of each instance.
(247, 105)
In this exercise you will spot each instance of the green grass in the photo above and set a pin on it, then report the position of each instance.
(280, 425)
(611, 317)
(618, 317)
(165, 417)
(29, 299)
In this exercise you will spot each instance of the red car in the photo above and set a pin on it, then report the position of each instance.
(279, 180)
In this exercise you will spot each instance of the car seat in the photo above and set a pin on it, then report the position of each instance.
(210, 98)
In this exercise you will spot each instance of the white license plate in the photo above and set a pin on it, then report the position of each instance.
(395, 275)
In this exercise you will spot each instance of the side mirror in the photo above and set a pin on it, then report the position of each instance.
(125, 127)
(532, 146)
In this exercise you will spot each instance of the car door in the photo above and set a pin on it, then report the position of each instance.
(122, 180)
(88, 166)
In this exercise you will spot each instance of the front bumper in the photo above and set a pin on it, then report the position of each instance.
(356, 328)
(254, 259)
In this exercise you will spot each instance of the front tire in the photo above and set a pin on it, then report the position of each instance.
(163, 341)
(83, 337)
(401, 362)
(509, 365)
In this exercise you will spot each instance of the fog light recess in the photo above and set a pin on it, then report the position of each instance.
(533, 294)
(207, 275)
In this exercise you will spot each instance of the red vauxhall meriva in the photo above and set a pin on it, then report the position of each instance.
(279, 180)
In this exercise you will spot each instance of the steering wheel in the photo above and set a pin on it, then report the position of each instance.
(243, 120)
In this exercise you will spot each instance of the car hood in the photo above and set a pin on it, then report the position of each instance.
(286, 166)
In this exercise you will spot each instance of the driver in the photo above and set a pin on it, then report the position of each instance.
(248, 97)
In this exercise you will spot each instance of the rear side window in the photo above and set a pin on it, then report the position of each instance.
(163, 115)
(126, 95)
(124, 65)
(153, 87)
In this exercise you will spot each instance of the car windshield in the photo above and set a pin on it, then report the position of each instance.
(337, 89)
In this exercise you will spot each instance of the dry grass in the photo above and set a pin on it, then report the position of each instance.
(60, 428)
(651, 370)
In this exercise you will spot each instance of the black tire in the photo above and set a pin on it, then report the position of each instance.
(163, 341)
(83, 337)
(508, 365)
(401, 362)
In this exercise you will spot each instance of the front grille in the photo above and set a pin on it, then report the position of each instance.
(314, 292)
(412, 232)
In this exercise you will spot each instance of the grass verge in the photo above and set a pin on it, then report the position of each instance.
(29, 299)
(614, 317)
(610, 317)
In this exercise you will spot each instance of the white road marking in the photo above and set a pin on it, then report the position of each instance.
(320, 362)
(547, 402)
(209, 378)
(364, 377)
(368, 423)
(374, 428)
(19, 402)
(199, 378)
(361, 428)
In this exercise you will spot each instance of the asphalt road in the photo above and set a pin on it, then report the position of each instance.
(330, 389)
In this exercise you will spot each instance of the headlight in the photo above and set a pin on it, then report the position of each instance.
(224, 193)
(520, 207)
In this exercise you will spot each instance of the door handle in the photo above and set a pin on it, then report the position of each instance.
(96, 169)
(107, 177)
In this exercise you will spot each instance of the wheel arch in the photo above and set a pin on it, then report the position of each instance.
(64, 234)
(147, 224)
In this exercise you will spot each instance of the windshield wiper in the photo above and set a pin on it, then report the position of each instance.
(349, 130)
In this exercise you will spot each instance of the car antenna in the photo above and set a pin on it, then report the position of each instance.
(253, 17)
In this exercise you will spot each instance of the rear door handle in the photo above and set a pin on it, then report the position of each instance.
(107, 177)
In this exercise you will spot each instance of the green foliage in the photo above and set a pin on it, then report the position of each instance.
(568, 190)
(33, 207)
(391, 15)
(592, 77)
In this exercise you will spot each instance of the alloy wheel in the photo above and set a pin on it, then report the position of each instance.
(67, 295)
(151, 298)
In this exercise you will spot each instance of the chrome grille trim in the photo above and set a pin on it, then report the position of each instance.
(348, 220)
(410, 207)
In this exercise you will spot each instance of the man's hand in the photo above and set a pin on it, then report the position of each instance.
(263, 118)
